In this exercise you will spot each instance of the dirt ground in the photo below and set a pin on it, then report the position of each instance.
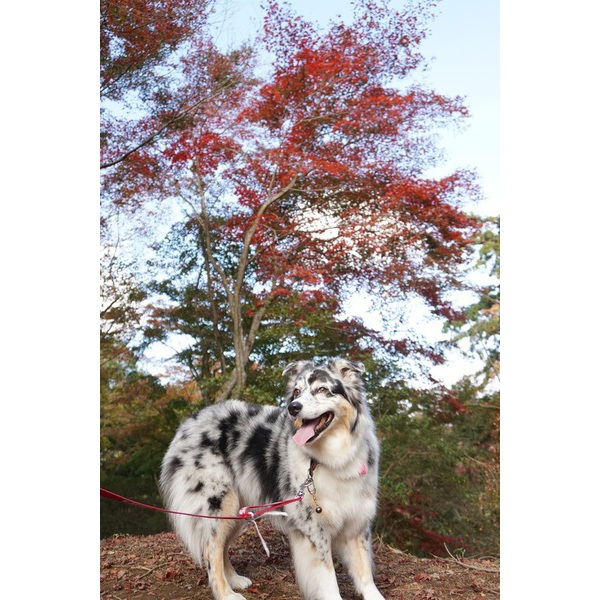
(157, 567)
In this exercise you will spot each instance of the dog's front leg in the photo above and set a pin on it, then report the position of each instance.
(315, 574)
(355, 553)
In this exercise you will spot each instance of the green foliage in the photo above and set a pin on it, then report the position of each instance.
(117, 517)
(438, 476)
(480, 324)
(138, 416)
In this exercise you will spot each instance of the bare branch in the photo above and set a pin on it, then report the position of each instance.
(466, 566)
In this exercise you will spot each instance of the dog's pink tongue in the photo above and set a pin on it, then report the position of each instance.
(306, 431)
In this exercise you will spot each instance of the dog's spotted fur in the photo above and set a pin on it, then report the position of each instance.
(238, 454)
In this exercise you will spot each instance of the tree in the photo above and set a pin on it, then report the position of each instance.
(480, 323)
(289, 189)
(304, 184)
(441, 448)
(145, 45)
(479, 394)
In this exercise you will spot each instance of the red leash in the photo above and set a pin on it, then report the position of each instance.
(245, 513)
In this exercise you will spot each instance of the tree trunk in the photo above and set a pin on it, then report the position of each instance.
(242, 344)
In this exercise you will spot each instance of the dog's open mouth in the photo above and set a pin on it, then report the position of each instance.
(310, 429)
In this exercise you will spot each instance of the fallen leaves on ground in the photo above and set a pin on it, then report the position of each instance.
(157, 567)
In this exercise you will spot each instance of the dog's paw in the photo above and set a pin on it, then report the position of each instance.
(372, 594)
(233, 596)
(239, 582)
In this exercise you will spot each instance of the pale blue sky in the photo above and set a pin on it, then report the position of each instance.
(463, 52)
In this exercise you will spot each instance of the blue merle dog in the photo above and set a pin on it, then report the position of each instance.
(237, 454)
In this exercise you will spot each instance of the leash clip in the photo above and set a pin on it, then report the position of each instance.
(309, 485)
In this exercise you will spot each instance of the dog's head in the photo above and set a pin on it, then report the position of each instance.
(321, 400)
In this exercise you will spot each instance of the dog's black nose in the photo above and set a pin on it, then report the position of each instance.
(294, 408)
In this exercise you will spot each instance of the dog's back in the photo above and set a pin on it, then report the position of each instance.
(218, 461)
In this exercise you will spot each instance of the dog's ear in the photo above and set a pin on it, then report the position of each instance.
(347, 368)
(294, 368)
(291, 368)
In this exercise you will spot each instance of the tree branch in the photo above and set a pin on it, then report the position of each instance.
(155, 135)
(462, 564)
(252, 229)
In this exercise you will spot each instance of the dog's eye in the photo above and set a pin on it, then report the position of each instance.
(322, 390)
(296, 393)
